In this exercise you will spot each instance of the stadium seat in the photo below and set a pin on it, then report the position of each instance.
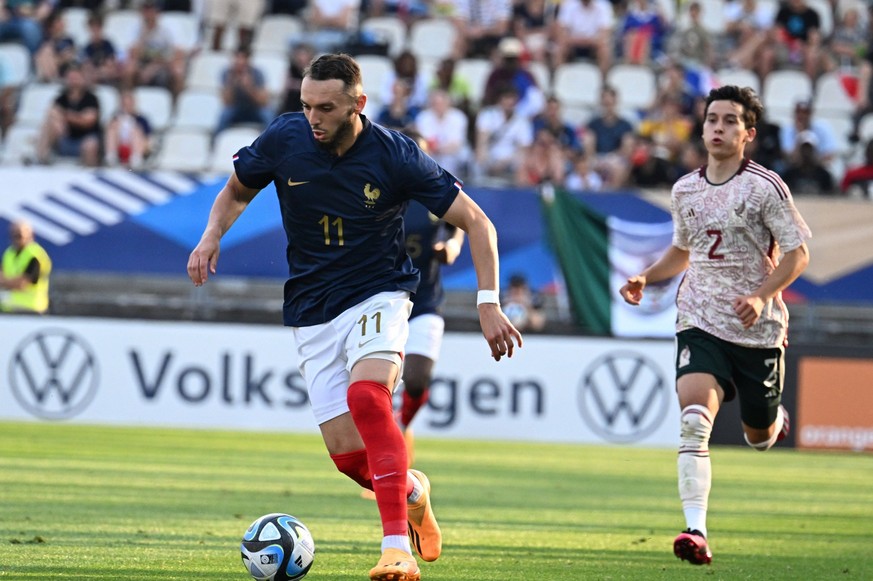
(185, 150)
(831, 96)
(577, 84)
(275, 70)
(121, 28)
(156, 105)
(476, 72)
(432, 38)
(388, 28)
(109, 99)
(35, 101)
(19, 144)
(227, 143)
(636, 85)
(205, 70)
(275, 33)
(197, 110)
(782, 88)
(375, 70)
(738, 77)
(184, 28)
(76, 24)
(15, 65)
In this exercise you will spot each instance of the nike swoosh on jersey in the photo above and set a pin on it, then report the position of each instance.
(292, 184)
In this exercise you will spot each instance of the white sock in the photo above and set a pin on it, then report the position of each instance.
(694, 466)
(416, 490)
(767, 444)
(396, 542)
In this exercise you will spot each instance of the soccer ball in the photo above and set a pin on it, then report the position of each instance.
(277, 547)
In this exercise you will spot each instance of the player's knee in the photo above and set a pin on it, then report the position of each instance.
(367, 397)
(415, 385)
(695, 427)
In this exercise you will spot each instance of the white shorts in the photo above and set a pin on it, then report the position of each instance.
(244, 13)
(377, 327)
(426, 336)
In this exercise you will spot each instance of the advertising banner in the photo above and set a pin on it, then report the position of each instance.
(225, 376)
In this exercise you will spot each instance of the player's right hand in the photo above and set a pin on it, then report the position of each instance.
(203, 260)
(632, 291)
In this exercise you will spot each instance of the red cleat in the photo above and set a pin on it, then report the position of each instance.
(691, 546)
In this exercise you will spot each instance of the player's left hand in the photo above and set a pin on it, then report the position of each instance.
(748, 308)
(498, 330)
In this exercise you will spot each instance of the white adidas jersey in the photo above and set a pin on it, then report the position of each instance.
(730, 230)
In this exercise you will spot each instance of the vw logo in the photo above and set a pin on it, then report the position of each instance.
(623, 397)
(53, 374)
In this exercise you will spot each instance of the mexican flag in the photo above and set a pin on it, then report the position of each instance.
(597, 254)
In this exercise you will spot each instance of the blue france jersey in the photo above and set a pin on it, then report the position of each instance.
(423, 230)
(343, 216)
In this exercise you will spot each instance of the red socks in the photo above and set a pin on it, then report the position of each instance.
(410, 406)
(354, 465)
(373, 414)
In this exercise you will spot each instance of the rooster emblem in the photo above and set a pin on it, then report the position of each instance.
(372, 194)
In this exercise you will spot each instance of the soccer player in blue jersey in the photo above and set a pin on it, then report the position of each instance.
(343, 184)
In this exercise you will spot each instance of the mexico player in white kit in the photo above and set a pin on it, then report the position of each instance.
(741, 241)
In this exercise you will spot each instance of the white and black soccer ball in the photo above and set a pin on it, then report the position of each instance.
(277, 547)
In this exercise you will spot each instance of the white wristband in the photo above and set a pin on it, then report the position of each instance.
(487, 296)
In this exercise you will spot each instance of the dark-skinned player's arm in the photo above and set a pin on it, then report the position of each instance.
(230, 202)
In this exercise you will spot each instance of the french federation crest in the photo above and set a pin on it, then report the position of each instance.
(371, 194)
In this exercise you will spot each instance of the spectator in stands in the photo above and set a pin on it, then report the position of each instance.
(502, 136)
(581, 176)
(545, 161)
(584, 31)
(691, 45)
(457, 86)
(72, 123)
(21, 21)
(26, 269)
(649, 170)
(679, 84)
(798, 29)
(667, 129)
(290, 7)
(643, 31)
(552, 120)
(806, 174)
(219, 15)
(766, 148)
(154, 59)
(847, 43)
(127, 137)
(406, 10)
(750, 36)
(397, 113)
(804, 120)
(610, 140)
(522, 305)
(301, 55)
(865, 86)
(330, 24)
(858, 180)
(532, 22)
(480, 25)
(89, 5)
(445, 129)
(510, 70)
(406, 68)
(99, 58)
(244, 94)
(56, 52)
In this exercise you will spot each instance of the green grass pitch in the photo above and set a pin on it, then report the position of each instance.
(100, 503)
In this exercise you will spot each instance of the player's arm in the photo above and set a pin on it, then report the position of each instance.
(230, 202)
(748, 308)
(448, 250)
(469, 217)
(672, 262)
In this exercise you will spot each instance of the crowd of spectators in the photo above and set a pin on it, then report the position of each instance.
(512, 130)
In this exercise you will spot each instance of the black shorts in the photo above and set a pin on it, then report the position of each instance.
(756, 375)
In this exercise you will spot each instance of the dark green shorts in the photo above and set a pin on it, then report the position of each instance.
(756, 375)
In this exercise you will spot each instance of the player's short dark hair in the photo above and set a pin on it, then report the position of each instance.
(753, 110)
(335, 66)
